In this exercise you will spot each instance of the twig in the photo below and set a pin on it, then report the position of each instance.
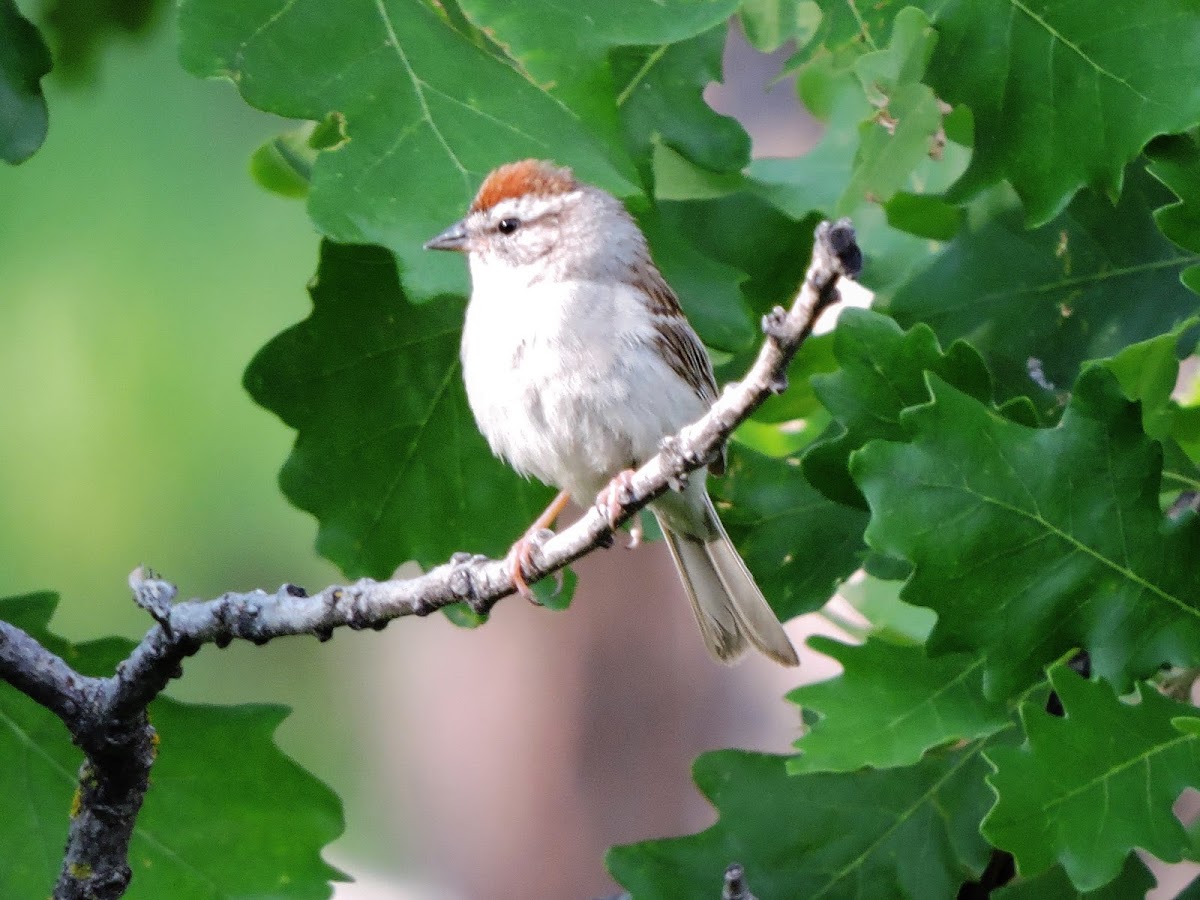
(107, 716)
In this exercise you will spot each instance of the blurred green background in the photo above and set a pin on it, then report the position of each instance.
(142, 268)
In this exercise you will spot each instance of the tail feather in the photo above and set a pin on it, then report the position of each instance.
(728, 605)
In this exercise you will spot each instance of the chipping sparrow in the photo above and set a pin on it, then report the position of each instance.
(578, 361)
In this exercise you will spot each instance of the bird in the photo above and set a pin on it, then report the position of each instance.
(578, 361)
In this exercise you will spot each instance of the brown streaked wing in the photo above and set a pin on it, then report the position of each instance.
(676, 340)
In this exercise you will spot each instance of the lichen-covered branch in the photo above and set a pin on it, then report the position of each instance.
(107, 716)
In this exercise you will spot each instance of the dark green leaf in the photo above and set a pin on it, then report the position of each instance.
(536, 33)
(1030, 542)
(216, 766)
(660, 94)
(748, 233)
(387, 455)
(890, 705)
(24, 59)
(882, 373)
(1065, 94)
(1134, 881)
(815, 357)
(1191, 892)
(798, 543)
(1087, 789)
(709, 290)
(1082, 287)
(909, 834)
(428, 113)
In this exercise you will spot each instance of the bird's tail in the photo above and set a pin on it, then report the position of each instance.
(729, 607)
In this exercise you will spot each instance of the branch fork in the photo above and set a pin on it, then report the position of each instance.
(107, 716)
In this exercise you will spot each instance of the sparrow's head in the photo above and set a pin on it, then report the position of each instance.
(534, 215)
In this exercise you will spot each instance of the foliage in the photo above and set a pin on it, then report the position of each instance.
(996, 443)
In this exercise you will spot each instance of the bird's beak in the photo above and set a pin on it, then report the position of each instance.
(453, 238)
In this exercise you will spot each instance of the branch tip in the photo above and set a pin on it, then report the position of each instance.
(153, 594)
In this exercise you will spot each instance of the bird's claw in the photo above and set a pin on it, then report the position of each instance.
(522, 561)
(613, 498)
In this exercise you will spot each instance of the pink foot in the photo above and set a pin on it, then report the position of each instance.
(522, 560)
(615, 496)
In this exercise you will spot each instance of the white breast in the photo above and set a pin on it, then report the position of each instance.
(563, 380)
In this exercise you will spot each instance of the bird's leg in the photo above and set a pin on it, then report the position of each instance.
(534, 537)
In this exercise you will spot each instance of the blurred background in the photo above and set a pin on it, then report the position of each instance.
(142, 268)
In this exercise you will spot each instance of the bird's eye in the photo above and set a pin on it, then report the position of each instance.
(508, 226)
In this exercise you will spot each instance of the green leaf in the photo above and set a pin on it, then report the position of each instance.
(428, 113)
(730, 259)
(214, 765)
(535, 34)
(818, 181)
(882, 373)
(1094, 280)
(815, 357)
(556, 591)
(891, 618)
(1134, 881)
(798, 543)
(900, 133)
(283, 165)
(871, 717)
(24, 59)
(660, 95)
(1175, 161)
(769, 24)
(901, 833)
(1031, 542)
(1147, 372)
(1054, 792)
(1064, 95)
(924, 216)
(387, 455)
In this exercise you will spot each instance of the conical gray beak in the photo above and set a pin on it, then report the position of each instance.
(453, 238)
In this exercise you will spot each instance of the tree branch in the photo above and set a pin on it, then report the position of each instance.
(107, 716)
